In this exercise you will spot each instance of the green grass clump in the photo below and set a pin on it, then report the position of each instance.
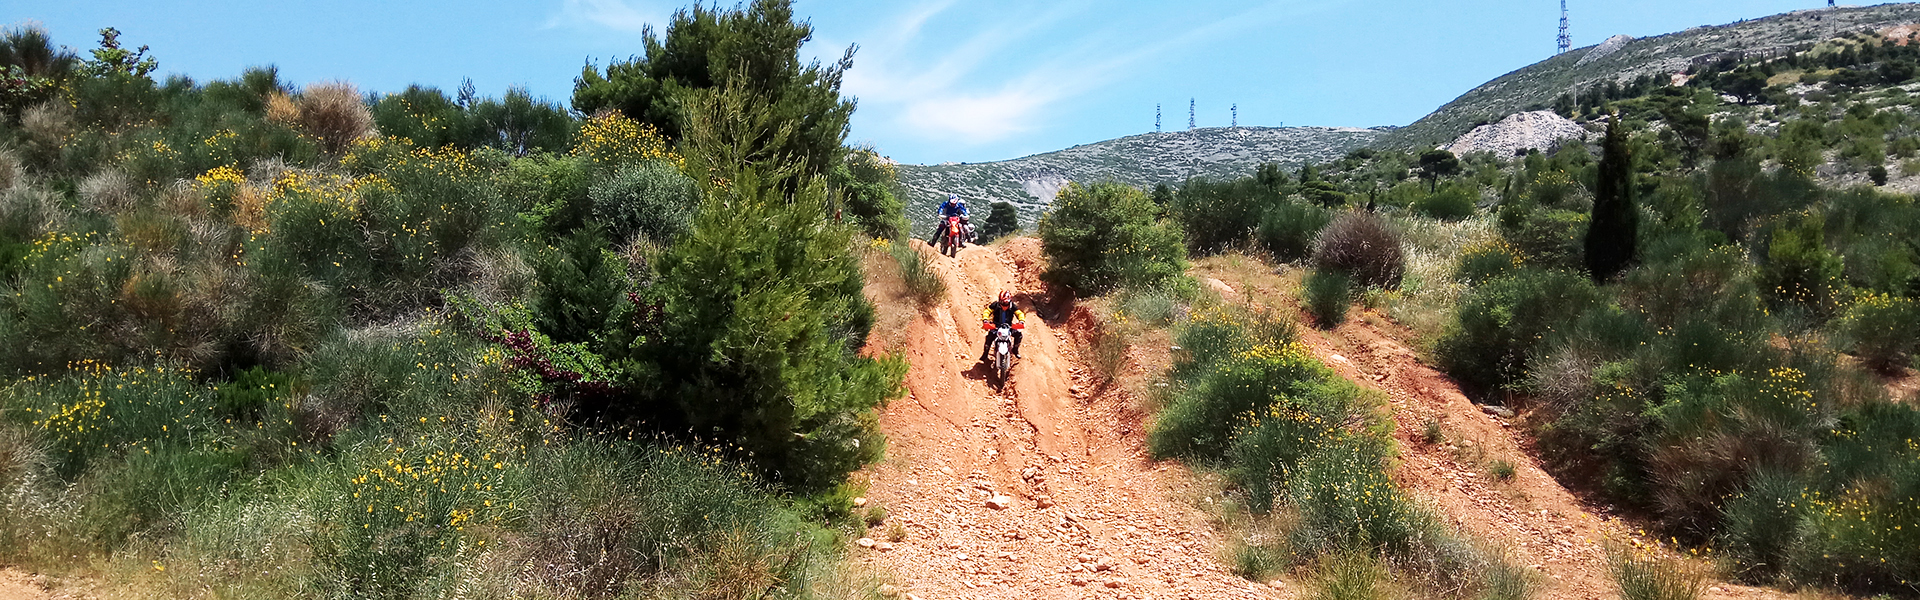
(1327, 295)
(925, 287)
(1350, 577)
(1643, 576)
(1501, 470)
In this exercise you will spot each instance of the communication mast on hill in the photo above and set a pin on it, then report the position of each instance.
(1190, 120)
(1566, 39)
(1156, 118)
(1236, 116)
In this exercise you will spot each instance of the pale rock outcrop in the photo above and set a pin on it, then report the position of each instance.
(1541, 130)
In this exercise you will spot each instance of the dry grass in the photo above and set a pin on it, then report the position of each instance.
(12, 173)
(1428, 293)
(108, 192)
(334, 113)
(281, 109)
(48, 125)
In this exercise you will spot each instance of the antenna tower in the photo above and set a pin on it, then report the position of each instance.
(1156, 118)
(1566, 39)
(1190, 121)
(1236, 115)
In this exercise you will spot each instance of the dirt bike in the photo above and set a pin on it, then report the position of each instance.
(953, 237)
(1000, 357)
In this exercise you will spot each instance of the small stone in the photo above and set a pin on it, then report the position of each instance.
(1019, 535)
(1044, 502)
(1277, 584)
(883, 546)
(1498, 411)
(1115, 583)
(1139, 560)
(887, 589)
(1028, 473)
(1000, 502)
(859, 502)
(947, 470)
(960, 557)
(865, 542)
(1081, 581)
(913, 597)
(1086, 558)
(1103, 566)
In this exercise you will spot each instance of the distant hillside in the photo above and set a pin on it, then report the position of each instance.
(1142, 160)
(1539, 84)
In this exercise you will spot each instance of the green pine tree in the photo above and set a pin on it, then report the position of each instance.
(756, 47)
(761, 311)
(1003, 219)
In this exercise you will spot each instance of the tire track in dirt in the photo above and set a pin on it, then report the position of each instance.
(1090, 516)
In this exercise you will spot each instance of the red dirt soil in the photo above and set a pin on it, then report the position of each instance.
(19, 585)
(1544, 526)
(1091, 515)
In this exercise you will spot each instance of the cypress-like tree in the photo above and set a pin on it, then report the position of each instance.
(1614, 230)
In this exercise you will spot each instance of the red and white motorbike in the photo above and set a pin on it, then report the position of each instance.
(953, 237)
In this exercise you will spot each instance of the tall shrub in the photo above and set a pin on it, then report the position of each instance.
(1103, 236)
(650, 199)
(1503, 322)
(1362, 246)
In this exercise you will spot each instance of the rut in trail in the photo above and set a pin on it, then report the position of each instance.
(1091, 516)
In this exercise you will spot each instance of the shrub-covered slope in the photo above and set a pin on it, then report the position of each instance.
(1539, 84)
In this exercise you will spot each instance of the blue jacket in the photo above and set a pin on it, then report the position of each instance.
(952, 209)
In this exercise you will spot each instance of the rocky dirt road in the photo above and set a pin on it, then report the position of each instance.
(1086, 514)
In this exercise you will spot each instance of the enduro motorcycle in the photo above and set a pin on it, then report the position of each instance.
(1001, 356)
(953, 237)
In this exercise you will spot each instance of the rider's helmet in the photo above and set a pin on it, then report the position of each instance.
(1006, 296)
(952, 197)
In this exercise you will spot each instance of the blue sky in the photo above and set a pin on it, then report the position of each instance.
(938, 80)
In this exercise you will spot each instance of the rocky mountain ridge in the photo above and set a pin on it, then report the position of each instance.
(1142, 160)
(1621, 59)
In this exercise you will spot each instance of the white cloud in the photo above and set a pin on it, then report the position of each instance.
(1005, 79)
(976, 119)
(617, 15)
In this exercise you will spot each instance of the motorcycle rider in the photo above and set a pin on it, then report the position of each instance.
(953, 207)
(999, 313)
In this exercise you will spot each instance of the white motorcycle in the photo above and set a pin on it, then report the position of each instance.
(1001, 355)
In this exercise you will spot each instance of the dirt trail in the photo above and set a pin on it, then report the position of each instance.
(1090, 515)
(19, 585)
(1545, 526)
